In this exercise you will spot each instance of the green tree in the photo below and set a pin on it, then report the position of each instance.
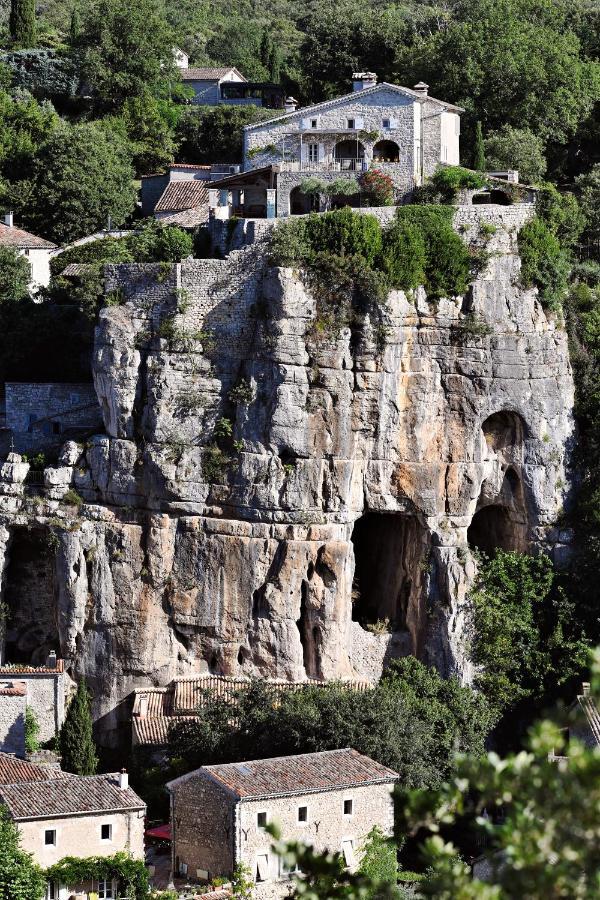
(379, 858)
(478, 149)
(215, 134)
(516, 148)
(22, 22)
(75, 26)
(20, 877)
(589, 199)
(81, 175)
(242, 883)
(147, 124)
(14, 276)
(126, 50)
(76, 743)
(32, 730)
(544, 264)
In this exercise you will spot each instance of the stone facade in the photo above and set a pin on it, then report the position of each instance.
(46, 691)
(403, 131)
(39, 416)
(13, 703)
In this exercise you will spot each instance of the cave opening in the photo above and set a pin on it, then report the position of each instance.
(30, 597)
(494, 528)
(389, 553)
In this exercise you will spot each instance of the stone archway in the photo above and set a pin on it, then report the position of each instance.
(386, 151)
(349, 155)
(301, 204)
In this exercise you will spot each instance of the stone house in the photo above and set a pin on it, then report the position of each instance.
(330, 800)
(44, 689)
(37, 251)
(403, 132)
(214, 86)
(41, 416)
(73, 815)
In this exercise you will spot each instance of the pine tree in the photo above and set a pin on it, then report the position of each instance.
(76, 743)
(22, 22)
(478, 152)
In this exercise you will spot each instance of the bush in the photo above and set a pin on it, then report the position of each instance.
(404, 255)
(544, 264)
(449, 180)
(32, 730)
(447, 259)
(516, 148)
(378, 186)
(345, 233)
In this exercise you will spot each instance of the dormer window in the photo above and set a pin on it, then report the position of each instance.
(350, 124)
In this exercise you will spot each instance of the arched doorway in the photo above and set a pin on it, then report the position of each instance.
(497, 197)
(349, 155)
(386, 151)
(301, 203)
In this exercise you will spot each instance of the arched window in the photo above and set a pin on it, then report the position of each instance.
(386, 151)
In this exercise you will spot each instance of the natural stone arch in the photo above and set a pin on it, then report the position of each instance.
(386, 151)
(389, 550)
(504, 429)
(349, 155)
(497, 527)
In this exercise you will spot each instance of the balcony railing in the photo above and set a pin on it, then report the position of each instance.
(324, 165)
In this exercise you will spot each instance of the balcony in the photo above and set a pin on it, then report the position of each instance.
(325, 165)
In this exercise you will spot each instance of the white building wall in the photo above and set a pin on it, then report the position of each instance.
(450, 138)
(39, 264)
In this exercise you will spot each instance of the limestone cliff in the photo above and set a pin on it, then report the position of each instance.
(329, 531)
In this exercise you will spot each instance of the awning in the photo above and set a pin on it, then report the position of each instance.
(161, 832)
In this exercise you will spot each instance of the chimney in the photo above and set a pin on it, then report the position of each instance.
(363, 80)
(421, 88)
(291, 104)
(51, 661)
(143, 706)
(585, 687)
(123, 780)
(8, 219)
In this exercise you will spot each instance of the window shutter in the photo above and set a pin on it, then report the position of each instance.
(262, 867)
(321, 156)
(359, 122)
(304, 154)
(348, 852)
(393, 122)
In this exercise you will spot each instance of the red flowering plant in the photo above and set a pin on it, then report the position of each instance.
(378, 186)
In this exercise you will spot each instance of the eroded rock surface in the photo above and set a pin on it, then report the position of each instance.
(330, 531)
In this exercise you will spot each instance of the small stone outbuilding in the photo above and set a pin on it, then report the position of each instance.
(330, 800)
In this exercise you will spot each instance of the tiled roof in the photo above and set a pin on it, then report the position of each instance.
(181, 195)
(73, 270)
(329, 770)
(22, 240)
(13, 689)
(18, 669)
(15, 771)
(588, 704)
(187, 218)
(155, 731)
(68, 796)
(206, 73)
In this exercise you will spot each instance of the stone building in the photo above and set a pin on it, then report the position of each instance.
(99, 815)
(40, 416)
(214, 86)
(43, 688)
(403, 132)
(13, 703)
(37, 251)
(330, 800)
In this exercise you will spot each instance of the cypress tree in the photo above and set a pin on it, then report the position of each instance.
(75, 26)
(22, 22)
(76, 743)
(478, 152)
(274, 64)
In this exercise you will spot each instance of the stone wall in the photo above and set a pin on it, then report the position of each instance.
(13, 703)
(203, 819)
(45, 693)
(326, 828)
(41, 415)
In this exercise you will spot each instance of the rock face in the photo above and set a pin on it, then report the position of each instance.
(269, 502)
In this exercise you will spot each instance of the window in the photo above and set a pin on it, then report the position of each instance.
(348, 807)
(350, 123)
(50, 837)
(183, 868)
(51, 890)
(56, 428)
(106, 890)
(261, 819)
(106, 832)
(313, 153)
(285, 870)
(348, 852)
(386, 123)
(303, 813)
(314, 123)
(262, 867)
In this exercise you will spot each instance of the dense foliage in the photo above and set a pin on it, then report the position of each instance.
(22, 22)
(14, 275)
(412, 721)
(20, 877)
(130, 874)
(77, 748)
(32, 730)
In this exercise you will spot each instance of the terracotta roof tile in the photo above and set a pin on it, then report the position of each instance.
(329, 770)
(16, 771)
(18, 669)
(181, 195)
(13, 689)
(22, 240)
(207, 73)
(68, 796)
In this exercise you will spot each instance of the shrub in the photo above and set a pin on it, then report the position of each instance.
(403, 255)
(447, 260)
(449, 180)
(345, 233)
(516, 148)
(32, 730)
(543, 263)
(289, 243)
(378, 186)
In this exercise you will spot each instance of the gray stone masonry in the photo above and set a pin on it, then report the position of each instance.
(45, 693)
(13, 703)
(40, 415)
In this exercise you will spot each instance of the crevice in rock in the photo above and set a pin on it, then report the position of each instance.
(310, 635)
(497, 527)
